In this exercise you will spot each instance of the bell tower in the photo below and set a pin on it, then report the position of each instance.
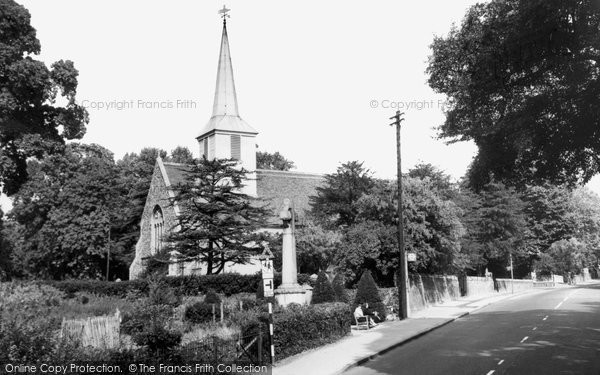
(227, 135)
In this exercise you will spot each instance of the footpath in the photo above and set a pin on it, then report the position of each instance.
(362, 346)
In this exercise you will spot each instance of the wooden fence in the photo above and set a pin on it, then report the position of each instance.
(98, 332)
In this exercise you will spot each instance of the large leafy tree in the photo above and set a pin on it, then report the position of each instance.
(32, 124)
(431, 225)
(182, 155)
(549, 214)
(5, 250)
(522, 79)
(67, 213)
(275, 161)
(439, 180)
(564, 257)
(496, 229)
(334, 204)
(217, 223)
(316, 247)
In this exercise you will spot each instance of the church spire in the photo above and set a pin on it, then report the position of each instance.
(225, 114)
(225, 102)
(226, 135)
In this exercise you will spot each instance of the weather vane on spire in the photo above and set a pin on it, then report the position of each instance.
(223, 12)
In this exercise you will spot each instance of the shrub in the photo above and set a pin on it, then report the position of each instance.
(157, 338)
(212, 297)
(323, 292)
(161, 294)
(367, 292)
(227, 284)
(143, 314)
(305, 327)
(199, 312)
(101, 288)
(341, 295)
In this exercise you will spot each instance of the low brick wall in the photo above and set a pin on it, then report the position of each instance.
(508, 285)
(425, 291)
(479, 286)
(428, 290)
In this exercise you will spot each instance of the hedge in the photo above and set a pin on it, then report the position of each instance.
(227, 283)
(299, 328)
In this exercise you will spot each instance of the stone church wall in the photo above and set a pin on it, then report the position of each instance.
(157, 195)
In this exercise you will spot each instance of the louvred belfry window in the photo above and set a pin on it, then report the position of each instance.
(236, 147)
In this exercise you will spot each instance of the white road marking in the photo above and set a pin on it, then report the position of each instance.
(490, 372)
(557, 306)
(501, 362)
(524, 338)
(546, 317)
(534, 328)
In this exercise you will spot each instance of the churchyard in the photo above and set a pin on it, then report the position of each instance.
(213, 319)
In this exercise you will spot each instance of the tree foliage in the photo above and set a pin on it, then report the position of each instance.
(66, 213)
(341, 295)
(564, 257)
(32, 125)
(432, 230)
(217, 221)
(316, 247)
(496, 228)
(367, 292)
(334, 204)
(181, 155)
(323, 291)
(275, 161)
(522, 79)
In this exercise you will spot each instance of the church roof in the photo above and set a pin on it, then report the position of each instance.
(272, 187)
(176, 172)
(225, 116)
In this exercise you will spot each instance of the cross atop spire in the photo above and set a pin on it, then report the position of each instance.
(223, 12)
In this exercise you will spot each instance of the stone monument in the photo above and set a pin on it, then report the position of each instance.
(289, 291)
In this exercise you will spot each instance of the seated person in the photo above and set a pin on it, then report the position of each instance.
(359, 312)
(374, 315)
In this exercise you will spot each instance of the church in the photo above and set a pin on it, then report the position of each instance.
(226, 135)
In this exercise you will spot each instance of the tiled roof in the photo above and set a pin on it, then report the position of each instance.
(272, 187)
(275, 186)
(176, 172)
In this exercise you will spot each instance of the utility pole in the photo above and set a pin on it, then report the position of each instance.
(403, 273)
(512, 278)
(108, 254)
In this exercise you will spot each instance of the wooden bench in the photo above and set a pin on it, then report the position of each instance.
(362, 322)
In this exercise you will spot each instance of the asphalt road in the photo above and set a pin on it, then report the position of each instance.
(553, 331)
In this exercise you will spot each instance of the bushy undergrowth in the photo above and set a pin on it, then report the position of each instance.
(300, 328)
(227, 284)
(323, 291)
(199, 312)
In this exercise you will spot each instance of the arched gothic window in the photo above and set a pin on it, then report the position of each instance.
(157, 227)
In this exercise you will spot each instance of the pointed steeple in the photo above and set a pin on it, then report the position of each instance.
(225, 97)
(225, 115)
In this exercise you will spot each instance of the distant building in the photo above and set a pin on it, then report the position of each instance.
(226, 135)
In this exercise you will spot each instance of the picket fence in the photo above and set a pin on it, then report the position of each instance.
(98, 332)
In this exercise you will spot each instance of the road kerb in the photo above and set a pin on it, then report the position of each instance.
(424, 332)
(399, 343)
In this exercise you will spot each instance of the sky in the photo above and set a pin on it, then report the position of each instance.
(318, 80)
